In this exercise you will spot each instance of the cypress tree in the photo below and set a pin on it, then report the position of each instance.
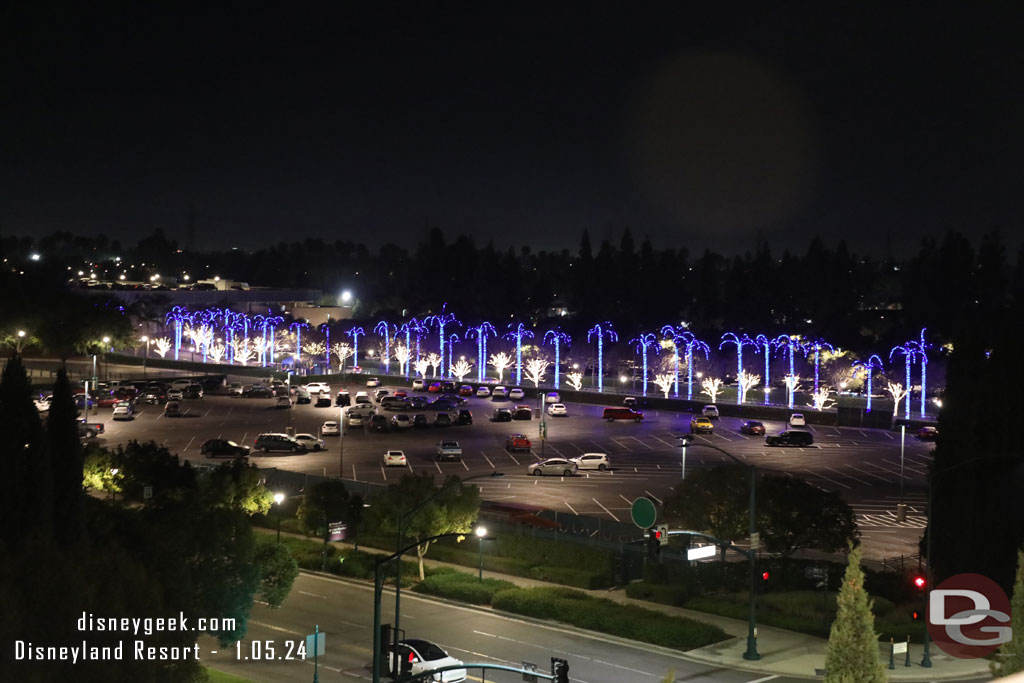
(1010, 659)
(26, 504)
(66, 460)
(852, 653)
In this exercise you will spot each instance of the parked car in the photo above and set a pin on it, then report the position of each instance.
(434, 387)
(557, 466)
(235, 389)
(372, 382)
(193, 391)
(331, 428)
(176, 395)
(342, 399)
(394, 403)
(701, 425)
(395, 458)
(630, 402)
(323, 401)
(153, 396)
(499, 392)
(272, 441)
(123, 411)
(516, 394)
(502, 415)
(282, 402)
(379, 423)
(301, 395)
(355, 420)
(362, 397)
(797, 420)
(928, 433)
(517, 442)
(557, 410)
(107, 400)
(172, 409)
(447, 387)
(380, 394)
(417, 385)
(464, 417)
(259, 391)
(318, 387)
(522, 413)
(752, 427)
(465, 390)
(552, 397)
(483, 392)
(790, 437)
(443, 420)
(222, 448)
(401, 393)
(401, 421)
(448, 450)
(420, 420)
(416, 656)
(311, 442)
(593, 461)
(710, 411)
(180, 383)
(612, 414)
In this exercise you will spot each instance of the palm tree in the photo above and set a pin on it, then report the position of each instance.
(764, 344)
(480, 332)
(693, 343)
(870, 365)
(600, 331)
(817, 345)
(740, 342)
(440, 320)
(556, 337)
(517, 332)
(354, 333)
(383, 328)
(643, 342)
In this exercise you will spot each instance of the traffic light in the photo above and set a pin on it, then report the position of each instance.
(917, 615)
(919, 582)
(662, 530)
(560, 670)
(765, 576)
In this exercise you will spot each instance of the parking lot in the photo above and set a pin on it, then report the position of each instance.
(863, 465)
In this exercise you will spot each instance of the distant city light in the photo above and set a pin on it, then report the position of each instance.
(34, 257)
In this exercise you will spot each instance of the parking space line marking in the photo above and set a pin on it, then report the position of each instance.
(663, 441)
(814, 475)
(383, 473)
(871, 474)
(354, 478)
(610, 513)
(556, 450)
(513, 457)
(188, 444)
(651, 495)
(571, 508)
(438, 466)
(575, 446)
(464, 464)
(488, 460)
(625, 499)
(848, 476)
(645, 445)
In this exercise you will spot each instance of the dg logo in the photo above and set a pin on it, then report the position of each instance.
(968, 616)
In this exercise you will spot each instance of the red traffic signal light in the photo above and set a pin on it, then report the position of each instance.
(765, 576)
(917, 615)
(919, 582)
(656, 533)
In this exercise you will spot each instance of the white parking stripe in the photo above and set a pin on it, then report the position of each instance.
(488, 460)
(651, 495)
(610, 513)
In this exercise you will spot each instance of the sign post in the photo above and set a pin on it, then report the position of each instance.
(643, 512)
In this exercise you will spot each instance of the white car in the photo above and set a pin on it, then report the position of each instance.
(235, 389)
(123, 411)
(282, 402)
(315, 388)
(500, 392)
(401, 421)
(710, 411)
(552, 397)
(330, 428)
(557, 409)
(593, 461)
(311, 442)
(516, 394)
(395, 458)
(362, 397)
(355, 420)
(373, 382)
(797, 420)
(175, 395)
(180, 383)
(417, 385)
(417, 656)
(556, 466)
(483, 392)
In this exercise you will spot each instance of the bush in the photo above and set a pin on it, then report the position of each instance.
(603, 615)
(577, 578)
(660, 593)
(463, 587)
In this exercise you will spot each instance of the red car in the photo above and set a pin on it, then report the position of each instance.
(517, 442)
(928, 433)
(465, 390)
(434, 388)
(107, 400)
(752, 427)
(401, 393)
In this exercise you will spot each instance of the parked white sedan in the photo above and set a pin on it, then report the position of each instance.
(797, 420)
(552, 397)
(557, 409)
(516, 394)
(395, 458)
(593, 461)
(330, 428)
(311, 442)
(483, 392)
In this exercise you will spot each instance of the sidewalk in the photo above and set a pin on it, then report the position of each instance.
(784, 653)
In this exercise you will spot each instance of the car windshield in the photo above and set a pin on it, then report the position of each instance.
(428, 651)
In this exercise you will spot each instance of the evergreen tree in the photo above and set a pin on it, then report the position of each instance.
(27, 503)
(1010, 659)
(852, 654)
(66, 460)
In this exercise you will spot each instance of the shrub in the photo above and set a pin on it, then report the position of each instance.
(578, 578)
(660, 593)
(463, 587)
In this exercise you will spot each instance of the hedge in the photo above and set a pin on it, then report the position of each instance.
(600, 614)
(462, 587)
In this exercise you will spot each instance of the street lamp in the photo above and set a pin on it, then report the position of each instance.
(480, 533)
(751, 653)
(278, 499)
(145, 339)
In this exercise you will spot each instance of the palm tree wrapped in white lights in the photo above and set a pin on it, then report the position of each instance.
(665, 382)
(501, 362)
(792, 383)
(434, 361)
(575, 380)
(342, 351)
(402, 356)
(535, 369)
(898, 393)
(460, 369)
(163, 345)
(217, 352)
(746, 382)
(820, 399)
(420, 366)
(314, 348)
(711, 386)
(242, 351)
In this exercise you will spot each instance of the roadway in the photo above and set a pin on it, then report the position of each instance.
(863, 465)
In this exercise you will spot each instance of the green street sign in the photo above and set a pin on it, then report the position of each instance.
(644, 513)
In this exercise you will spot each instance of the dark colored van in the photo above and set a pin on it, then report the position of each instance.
(612, 414)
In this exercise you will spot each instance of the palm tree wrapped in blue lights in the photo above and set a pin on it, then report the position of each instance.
(740, 342)
(557, 338)
(481, 333)
(298, 327)
(693, 343)
(325, 328)
(416, 327)
(383, 329)
(792, 344)
(453, 339)
(599, 332)
(354, 333)
(922, 349)
(643, 342)
(440, 320)
(911, 351)
(272, 322)
(517, 332)
(764, 345)
(817, 345)
(178, 315)
(869, 366)
(677, 335)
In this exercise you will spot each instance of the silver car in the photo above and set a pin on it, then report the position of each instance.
(556, 466)
(311, 442)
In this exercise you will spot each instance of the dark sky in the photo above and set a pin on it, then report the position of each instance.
(698, 124)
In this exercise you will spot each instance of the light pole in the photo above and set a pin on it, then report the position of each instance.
(278, 499)
(401, 534)
(684, 441)
(341, 442)
(480, 533)
(751, 653)
(20, 342)
(145, 339)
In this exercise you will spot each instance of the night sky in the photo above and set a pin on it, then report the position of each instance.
(696, 124)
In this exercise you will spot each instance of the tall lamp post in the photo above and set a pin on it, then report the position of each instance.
(278, 499)
(481, 532)
(401, 534)
(145, 338)
(751, 653)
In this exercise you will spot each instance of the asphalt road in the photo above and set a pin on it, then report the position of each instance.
(863, 465)
(344, 612)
